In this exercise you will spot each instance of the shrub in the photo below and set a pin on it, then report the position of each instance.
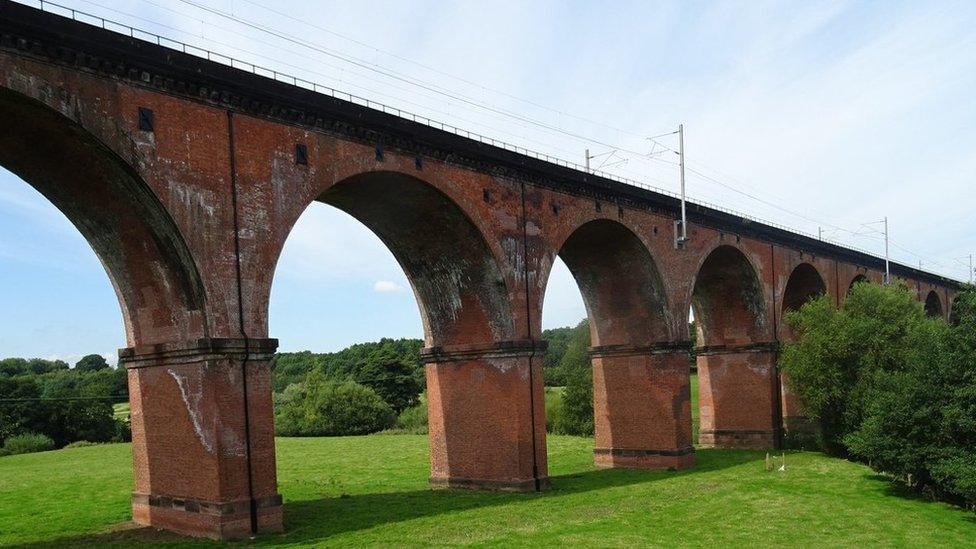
(575, 415)
(891, 386)
(123, 431)
(554, 408)
(28, 443)
(321, 406)
(81, 444)
(413, 420)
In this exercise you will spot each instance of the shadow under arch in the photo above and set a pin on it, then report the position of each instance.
(641, 383)
(727, 300)
(933, 305)
(620, 283)
(738, 385)
(155, 278)
(805, 283)
(458, 285)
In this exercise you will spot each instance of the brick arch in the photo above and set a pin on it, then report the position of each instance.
(805, 283)
(455, 275)
(620, 284)
(155, 278)
(728, 299)
(933, 305)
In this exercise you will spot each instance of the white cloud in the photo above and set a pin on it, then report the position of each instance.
(387, 287)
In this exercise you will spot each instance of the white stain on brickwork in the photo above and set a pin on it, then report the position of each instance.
(192, 400)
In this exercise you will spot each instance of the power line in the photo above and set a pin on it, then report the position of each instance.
(461, 98)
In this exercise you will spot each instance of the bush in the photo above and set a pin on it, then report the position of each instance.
(413, 420)
(575, 412)
(321, 406)
(81, 444)
(891, 386)
(28, 443)
(123, 431)
(554, 408)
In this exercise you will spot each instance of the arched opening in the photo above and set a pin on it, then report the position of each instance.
(736, 375)
(457, 282)
(804, 284)
(640, 375)
(480, 389)
(640, 383)
(859, 279)
(154, 277)
(933, 305)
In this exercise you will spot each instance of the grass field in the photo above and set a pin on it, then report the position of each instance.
(373, 490)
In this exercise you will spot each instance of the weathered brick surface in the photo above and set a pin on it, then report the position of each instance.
(190, 219)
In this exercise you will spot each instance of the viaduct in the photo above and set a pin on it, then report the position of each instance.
(186, 176)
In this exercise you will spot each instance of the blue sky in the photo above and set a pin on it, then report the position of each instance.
(808, 114)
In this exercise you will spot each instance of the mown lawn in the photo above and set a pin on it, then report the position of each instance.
(372, 490)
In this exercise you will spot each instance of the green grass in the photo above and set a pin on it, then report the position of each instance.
(373, 490)
(121, 410)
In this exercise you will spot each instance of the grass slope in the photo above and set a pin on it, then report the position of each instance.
(373, 490)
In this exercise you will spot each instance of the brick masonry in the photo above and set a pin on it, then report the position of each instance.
(189, 214)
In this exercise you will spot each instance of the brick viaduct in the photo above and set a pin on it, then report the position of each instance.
(186, 177)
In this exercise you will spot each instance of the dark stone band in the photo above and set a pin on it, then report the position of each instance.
(189, 505)
(734, 432)
(765, 347)
(497, 349)
(667, 347)
(196, 350)
(633, 452)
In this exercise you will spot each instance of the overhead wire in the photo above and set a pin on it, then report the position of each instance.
(474, 104)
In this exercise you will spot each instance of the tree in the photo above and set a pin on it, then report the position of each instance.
(575, 416)
(25, 414)
(891, 386)
(391, 378)
(839, 354)
(91, 363)
(322, 406)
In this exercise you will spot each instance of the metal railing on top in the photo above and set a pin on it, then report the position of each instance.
(163, 41)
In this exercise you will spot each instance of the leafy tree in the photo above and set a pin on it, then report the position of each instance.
(841, 353)
(13, 367)
(567, 353)
(575, 413)
(891, 386)
(391, 378)
(91, 363)
(322, 406)
(21, 416)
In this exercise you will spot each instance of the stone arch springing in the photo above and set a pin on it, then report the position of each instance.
(159, 289)
(933, 305)
(621, 286)
(727, 300)
(456, 279)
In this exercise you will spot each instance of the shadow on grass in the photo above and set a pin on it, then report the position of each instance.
(313, 521)
(894, 487)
